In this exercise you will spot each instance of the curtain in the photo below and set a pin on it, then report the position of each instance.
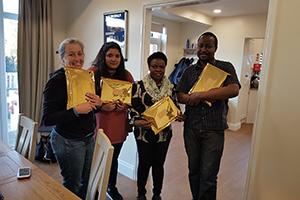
(35, 54)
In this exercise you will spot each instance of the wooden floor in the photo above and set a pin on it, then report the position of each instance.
(232, 176)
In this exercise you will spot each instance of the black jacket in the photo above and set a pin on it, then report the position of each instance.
(55, 112)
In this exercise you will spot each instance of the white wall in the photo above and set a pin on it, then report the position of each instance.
(86, 23)
(232, 31)
(274, 169)
(191, 31)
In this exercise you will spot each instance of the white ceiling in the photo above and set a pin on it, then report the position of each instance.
(229, 8)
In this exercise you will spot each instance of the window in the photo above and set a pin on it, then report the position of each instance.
(158, 42)
(9, 96)
(155, 42)
(158, 38)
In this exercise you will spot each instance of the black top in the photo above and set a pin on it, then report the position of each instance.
(142, 100)
(202, 116)
(55, 112)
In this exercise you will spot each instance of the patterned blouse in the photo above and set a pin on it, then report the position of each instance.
(144, 94)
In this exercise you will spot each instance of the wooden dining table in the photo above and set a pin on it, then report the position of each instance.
(38, 186)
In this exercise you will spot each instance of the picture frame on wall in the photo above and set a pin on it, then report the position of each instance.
(115, 29)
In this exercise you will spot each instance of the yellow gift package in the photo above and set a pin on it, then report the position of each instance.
(113, 90)
(211, 77)
(79, 82)
(161, 114)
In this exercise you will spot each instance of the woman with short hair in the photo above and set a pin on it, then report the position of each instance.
(72, 137)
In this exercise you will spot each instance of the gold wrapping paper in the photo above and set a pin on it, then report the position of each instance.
(79, 82)
(161, 114)
(211, 77)
(113, 90)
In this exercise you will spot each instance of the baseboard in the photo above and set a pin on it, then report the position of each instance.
(127, 169)
(234, 126)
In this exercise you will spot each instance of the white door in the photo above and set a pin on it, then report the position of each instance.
(251, 48)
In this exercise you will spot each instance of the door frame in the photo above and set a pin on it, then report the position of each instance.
(270, 31)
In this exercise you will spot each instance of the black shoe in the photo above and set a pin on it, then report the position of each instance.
(114, 194)
(156, 197)
(141, 197)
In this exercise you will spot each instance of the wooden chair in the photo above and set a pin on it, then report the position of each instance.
(26, 137)
(100, 168)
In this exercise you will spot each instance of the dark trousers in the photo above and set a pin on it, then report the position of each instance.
(204, 150)
(114, 166)
(151, 155)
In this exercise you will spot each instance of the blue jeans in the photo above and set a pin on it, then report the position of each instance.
(204, 150)
(74, 157)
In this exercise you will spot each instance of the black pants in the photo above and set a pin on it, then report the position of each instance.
(204, 150)
(151, 155)
(114, 166)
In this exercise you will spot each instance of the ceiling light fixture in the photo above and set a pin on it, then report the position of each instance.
(217, 11)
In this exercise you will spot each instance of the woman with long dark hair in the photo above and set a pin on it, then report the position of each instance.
(112, 118)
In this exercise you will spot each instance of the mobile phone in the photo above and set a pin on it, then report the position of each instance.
(24, 172)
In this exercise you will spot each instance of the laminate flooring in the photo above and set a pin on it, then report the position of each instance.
(231, 179)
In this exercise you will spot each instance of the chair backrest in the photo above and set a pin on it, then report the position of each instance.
(26, 137)
(100, 168)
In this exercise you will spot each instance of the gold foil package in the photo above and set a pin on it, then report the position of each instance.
(116, 90)
(161, 114)
(79, 82)
(211, 77)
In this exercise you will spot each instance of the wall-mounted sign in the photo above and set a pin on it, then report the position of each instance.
(115, 29)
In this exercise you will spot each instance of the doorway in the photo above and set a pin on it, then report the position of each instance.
(232, 48)
(253, 54)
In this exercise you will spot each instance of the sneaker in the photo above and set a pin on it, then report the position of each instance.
(156, 197)
(114, 194)
(141, 197)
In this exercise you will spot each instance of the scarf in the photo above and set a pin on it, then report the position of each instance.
(157, 93)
